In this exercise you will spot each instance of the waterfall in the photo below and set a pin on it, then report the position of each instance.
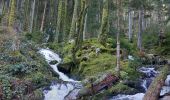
(59, 91)
(138, 96)
(144, 85)
(150, 73)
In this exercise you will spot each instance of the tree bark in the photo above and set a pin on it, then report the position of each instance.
(79, 33)
(43, 17)
(60, 18)
(154, 89)
(75, 17)
(140, 31)
(104, 25)
(32, 16)
(130, 25)
(118, 39)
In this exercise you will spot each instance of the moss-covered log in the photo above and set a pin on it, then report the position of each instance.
(154, 89)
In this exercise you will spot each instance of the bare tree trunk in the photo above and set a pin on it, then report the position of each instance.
(140, 31)
(130, 25)
(85, 24)
(32, 16)
(143, 19)
(43, 18)
(118, 39)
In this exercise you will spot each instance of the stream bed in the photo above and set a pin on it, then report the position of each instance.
(68, 90)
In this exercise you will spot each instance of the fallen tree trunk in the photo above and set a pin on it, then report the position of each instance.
(153, 92)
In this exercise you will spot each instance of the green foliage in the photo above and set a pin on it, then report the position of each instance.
(130, 47)
(6, 87)
(129, 70)
(150, 37)
(98, 64)
(121, 88)
(38, 78)
(37, 37)
(20, 69)
(165, 47)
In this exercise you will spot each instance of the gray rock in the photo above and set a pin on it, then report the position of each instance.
(53, 62)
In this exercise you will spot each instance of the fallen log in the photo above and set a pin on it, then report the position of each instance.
(153, 92)
(108, 81)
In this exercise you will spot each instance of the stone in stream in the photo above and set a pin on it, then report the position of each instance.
(53, 62)
(165, 90)
(165, 98)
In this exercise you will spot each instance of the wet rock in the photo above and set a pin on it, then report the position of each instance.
(165, 98)
(135, 84)
(165, 90)
(53, 62)
(66, 67)
(83, 92)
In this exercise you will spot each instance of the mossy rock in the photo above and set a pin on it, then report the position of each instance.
(120, 88)
(99, 64)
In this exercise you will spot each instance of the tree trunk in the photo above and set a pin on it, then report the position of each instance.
(66, 21)
(73, 23)
(12, 13)
(59, 37)
(104, 25)
(85, 27)
(118, 39)
(154, 89)
(130, 25)
(140, 31)
(43, 17)
(32, 16)
(79, 33)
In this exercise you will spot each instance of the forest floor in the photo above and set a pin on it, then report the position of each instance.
(24, 72)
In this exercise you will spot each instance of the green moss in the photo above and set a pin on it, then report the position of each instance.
(67, 59)
(37, 37)
(129, 70)
(99, 64)
(120, 88)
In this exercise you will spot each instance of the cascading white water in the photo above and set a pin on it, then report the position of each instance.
(58, 91)
(150, 74)
(67, 91)
(144, 84)
(166, 89)
(138, 96)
